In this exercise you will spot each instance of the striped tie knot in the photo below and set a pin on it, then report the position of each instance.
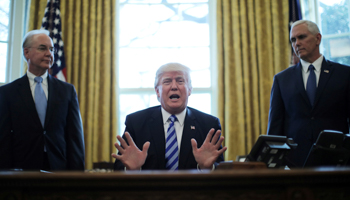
(172, 118)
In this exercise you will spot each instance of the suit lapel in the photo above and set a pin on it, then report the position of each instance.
(26, 94)
(51, 99)
(188, 133)
(325, 74)
(156, 130)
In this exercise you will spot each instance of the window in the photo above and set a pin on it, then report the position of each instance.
(154, 32)
(12, 29)
(333, 19)
(4, 32)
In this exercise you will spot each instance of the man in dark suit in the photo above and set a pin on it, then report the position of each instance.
(296, 109)
(51, 140)
(196, 145)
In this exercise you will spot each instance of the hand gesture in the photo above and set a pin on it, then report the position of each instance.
(207, 154)
(131, 156)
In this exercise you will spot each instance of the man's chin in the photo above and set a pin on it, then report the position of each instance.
(46, 66)
(174, 108)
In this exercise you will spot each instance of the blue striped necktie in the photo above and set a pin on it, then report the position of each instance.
(40, 99)
(311, 85)
(172, 150)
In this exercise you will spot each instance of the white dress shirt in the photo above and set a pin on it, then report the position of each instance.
(32, 83)
(305, 66)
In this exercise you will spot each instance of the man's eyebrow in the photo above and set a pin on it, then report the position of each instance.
(43, 45)
(177, 77)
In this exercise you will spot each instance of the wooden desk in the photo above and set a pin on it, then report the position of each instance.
(262, 184)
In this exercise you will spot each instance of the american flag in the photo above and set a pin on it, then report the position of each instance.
(294, 11)
(52, 23)
(294, 15)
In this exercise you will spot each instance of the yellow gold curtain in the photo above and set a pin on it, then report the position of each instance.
(253, 45)
(88, 32)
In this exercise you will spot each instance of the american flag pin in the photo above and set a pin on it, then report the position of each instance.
(192, 127)
(327, 71)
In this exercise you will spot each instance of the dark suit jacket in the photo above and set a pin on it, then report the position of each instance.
(22, 136)
(147, 125)
(292, 115)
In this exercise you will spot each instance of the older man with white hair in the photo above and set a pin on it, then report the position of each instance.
(40, 122)
(312, 96)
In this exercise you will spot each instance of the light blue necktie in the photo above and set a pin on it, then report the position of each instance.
(40, 99)
(172, 150)
(311, 85)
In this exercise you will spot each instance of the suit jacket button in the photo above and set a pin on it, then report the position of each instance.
(312, 118)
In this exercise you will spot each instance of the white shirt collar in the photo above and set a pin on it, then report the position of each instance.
(317, 64)
(31, 76)
(180, 117)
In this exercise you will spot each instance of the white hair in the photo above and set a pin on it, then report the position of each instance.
(312, 26)
(28, 38)
(173, 67)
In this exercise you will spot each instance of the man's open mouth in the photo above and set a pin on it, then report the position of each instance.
(174, 96)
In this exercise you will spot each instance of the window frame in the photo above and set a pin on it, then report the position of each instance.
(315, 16)
(213, 90)
(17, 29)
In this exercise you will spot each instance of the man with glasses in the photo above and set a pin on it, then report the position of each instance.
(40, 123)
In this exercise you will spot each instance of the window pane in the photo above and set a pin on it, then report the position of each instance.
(140, 1)
(4, 19)
(186, 1)
(159, 1)
(4, 30)
(200, 102)
(334, 16)
(337, 49)
(132, 103)
(164, 25)
(142, 63)
(3, 59)
(335, 30)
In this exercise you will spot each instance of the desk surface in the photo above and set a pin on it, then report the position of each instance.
(318, 183)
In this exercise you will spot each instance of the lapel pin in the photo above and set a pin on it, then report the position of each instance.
(193, 128)
(327, 71)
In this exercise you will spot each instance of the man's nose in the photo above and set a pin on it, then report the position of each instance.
(174, 85)
(48, 53)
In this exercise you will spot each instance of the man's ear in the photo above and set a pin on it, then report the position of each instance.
(157, 91)
(26, 52)
(318, 37)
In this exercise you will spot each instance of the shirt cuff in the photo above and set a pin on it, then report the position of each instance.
(131, 170)
(199, 169)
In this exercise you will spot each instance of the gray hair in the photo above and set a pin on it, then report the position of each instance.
(312, 26)
(173, 67)
(27, 39)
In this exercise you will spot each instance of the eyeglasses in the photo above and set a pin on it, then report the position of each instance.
(44, 49)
